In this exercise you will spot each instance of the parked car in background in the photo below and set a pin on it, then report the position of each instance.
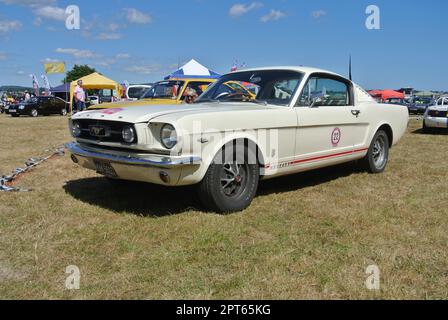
(436, 116)
(420, 104)
(36, 106)
(166, 92)
(136, 91)
(301, 119)
(92, 101)
(397, 101)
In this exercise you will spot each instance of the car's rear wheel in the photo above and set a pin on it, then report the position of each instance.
(230, 183)
(64, 112)
(34, 113)
(425, 128)
(378, 155)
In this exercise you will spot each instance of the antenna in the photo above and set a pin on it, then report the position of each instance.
(350, 68)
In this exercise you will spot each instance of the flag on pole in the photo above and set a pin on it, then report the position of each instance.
(54, 67)
(234, 67)
(35, 84)
(46, 84)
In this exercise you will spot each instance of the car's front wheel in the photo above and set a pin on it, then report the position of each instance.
(378, 155)
(34, 113)
(231, 182)
(63, 112)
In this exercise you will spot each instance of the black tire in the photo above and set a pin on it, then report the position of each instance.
(378, 155)
(34, 113)
(218, 193)
(425, 129)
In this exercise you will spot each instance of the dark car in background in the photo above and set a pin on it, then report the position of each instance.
(397, 101)
(39, 106)
(420, 104)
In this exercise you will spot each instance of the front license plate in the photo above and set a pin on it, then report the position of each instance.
(105, 169)
(12, 111)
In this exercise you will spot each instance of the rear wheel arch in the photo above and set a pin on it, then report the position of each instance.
(388, 130)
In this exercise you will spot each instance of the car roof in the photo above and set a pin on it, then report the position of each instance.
(291, 68)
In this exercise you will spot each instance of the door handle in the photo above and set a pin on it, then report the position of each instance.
(356, 113)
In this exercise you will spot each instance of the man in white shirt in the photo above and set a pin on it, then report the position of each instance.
(80, 97)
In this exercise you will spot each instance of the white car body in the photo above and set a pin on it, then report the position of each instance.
(301, 138)
(436, 116)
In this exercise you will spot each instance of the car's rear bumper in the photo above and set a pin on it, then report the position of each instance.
(158, 169)
(432, 122)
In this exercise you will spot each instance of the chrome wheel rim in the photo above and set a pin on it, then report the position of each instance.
(379, 152)
(234, 179)
(34, 113)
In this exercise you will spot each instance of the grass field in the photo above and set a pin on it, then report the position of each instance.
(305, 236)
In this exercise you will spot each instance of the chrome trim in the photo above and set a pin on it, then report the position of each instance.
(149, 160)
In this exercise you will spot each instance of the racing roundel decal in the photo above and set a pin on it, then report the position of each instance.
(335, 137)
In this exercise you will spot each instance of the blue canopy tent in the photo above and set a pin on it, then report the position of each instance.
(62, 91)
(193, 69)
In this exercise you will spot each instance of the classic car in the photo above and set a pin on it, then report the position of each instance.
(420, 104)
(36, 106)
(301, 119)
(436, 116)
(166, 92)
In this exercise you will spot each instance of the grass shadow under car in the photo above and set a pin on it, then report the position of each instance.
(153, 200)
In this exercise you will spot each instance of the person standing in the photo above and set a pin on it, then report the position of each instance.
(27, 96)
(80, 97)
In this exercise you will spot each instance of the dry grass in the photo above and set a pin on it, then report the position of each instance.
(305, 236)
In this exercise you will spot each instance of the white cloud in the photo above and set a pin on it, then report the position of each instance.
(318, 13)
(144, 69)
(137, 17)
(108, 36)
(3, 56)
(273, 16)
(20, 73)
(9, 25)
(239, 9)
(77, 53)
(52, 13)
(49, 60)
(29, 3)
(113, 26)
(123, 56)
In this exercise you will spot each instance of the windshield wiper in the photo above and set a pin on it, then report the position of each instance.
(207, 100)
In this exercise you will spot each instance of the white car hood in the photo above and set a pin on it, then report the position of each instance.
(147, 113)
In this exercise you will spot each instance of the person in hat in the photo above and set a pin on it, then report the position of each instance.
(27, 96)
(80, 97)
(190, 95)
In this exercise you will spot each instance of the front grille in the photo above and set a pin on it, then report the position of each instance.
(106, 131)
(437, 114)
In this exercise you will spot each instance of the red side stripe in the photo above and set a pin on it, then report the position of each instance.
(321, 157)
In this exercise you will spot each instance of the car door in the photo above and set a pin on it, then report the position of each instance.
(330, 126)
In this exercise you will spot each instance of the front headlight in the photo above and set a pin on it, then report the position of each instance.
(21, 107)
(168, 136)
(128, 134)
(76, 129)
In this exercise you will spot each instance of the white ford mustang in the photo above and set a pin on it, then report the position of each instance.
(249, 125)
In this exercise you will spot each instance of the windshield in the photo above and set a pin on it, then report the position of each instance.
(267, 86)
(164, 90)
(423, 101)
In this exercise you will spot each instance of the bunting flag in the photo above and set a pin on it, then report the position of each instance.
(54, 67)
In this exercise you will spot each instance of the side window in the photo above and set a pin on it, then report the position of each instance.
(445, 102)
(198, 86)
(332, 92)
(439, 103)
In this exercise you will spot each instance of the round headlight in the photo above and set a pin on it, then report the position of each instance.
(76, 129)
(128, 134)
(21, 107)
(168, 136)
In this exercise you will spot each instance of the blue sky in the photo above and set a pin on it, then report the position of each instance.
(141, 41)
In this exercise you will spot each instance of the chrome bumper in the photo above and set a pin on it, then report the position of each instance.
(147, 160)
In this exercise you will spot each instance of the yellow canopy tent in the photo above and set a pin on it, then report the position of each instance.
(95, 81)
